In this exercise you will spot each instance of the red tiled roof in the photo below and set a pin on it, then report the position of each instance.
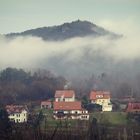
(67, 105)
(99, 95)
(46, 103)
(133, 107)
(15, 108)
(65, 93)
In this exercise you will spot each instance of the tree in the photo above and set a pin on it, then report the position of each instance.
(94, 130)
(13, 74)
(5, 125)
(85, 100)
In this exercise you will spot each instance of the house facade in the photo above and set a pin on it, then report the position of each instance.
(17, 113)
(70, 110)
(46, 104)
(102, 98)
(64, 96)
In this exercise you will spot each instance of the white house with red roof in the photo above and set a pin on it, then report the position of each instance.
(17, 113)
(102, 98)
(64, 96)
(70, 110)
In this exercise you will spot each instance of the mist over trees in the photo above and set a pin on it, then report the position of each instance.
(116, 84)
(17, 85)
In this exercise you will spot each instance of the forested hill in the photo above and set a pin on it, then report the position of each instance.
(66, 31)
(16, 85)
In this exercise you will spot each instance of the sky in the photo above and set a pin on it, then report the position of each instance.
(20, 15)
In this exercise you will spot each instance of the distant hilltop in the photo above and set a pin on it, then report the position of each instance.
(76, 28)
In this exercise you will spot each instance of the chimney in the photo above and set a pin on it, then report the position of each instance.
(67, 86)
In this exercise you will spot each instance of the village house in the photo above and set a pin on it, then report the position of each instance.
(17, 113)
(70, 110)
(102, 98)
(133, 107)
(64, 96)
(46, 104)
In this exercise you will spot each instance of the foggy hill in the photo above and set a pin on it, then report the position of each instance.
(112, 63)
(66, 31)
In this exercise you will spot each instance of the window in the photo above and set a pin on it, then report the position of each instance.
(99, 96)
(84, 117)
(18, 115)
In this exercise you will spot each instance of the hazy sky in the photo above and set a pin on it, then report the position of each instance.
(19, 15)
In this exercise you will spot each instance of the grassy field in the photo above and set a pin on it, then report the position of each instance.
(114, 118)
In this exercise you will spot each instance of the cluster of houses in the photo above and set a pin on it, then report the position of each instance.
(65, 106)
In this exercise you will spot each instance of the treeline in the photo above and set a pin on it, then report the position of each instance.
(17, 85)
